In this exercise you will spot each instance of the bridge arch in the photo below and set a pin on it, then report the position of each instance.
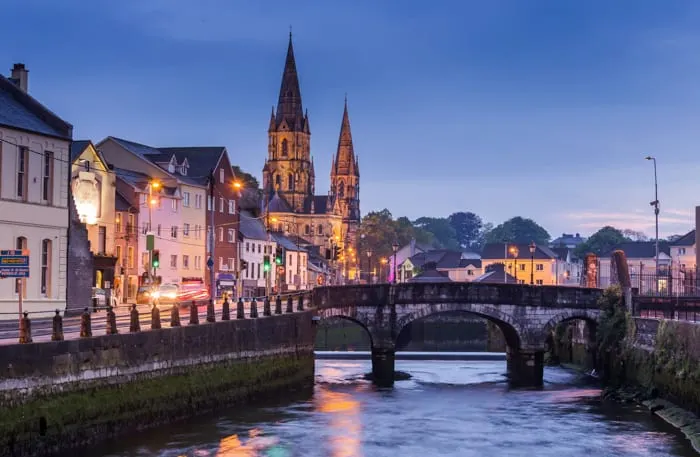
(589, 316)
(350, 315)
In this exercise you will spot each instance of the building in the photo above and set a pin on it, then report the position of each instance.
(641, 261)
(255, 243)
(402, 254)
(567, 240)
(171, 206)
(569, 268)
(290, 198)
(495, 274)
(293, 273)
(126, 237)
(458, 266)
(34, 196)
(543, 266)
(93, 186)
(683, 252)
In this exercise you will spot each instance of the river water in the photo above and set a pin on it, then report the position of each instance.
(447, 408)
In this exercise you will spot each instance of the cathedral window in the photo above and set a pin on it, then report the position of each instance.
(290, 182)
(320, 229)
(285, 150)
(278, 180)
(341, 189)
(307, 229)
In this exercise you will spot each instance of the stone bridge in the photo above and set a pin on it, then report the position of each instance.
(526, 315)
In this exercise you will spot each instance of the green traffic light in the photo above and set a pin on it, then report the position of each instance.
(278, 260)
(156, 264)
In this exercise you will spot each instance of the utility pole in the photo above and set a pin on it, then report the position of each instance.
(210, 262)
(268, 282)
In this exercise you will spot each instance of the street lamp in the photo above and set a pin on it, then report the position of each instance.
(383, 261)
(514, 251)
(655, 204)
(533, 248)
(369, 265)
(395, 248)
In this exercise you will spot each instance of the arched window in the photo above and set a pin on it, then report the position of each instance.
(320, 229)
(278, 180)
(307, 229)
(285, 150)
(46, 268)
(290, 182)
(341, 189)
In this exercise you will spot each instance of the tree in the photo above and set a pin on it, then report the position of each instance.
(518, 230)
(673, 238)
(635, 235)
(251, 195)
(467, 227)
(442, 230)
(601, 242)
(247, 180)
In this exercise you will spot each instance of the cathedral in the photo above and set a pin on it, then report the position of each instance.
(290, 199)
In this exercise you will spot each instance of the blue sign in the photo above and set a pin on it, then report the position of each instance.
(210, 263)
(14, 264)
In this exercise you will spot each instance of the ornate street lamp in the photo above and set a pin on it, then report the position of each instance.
(395, 248)
(369, 264)
(533, 248)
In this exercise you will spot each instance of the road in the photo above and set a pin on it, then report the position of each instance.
(42, 328)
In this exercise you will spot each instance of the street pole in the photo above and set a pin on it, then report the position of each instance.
(532, 269)
(655, 204)
(212, 273)
(151, 273)
(269, 239)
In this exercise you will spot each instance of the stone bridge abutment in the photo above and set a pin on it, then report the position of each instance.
(525, 314)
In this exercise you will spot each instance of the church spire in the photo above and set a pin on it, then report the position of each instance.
(344, 163)
(289, 105)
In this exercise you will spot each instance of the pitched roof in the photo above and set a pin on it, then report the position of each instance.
(431, 276)
(567, 239)
(289, 107)
(251, 227)
(285, 242)
(21, 111)
(496, 276)
(640, 249)
(495, 251)
(201, 159)
(77, 148)
(442, 258)
(278, 204)
(476, 263)
(345, 163)
(686, 240)
(121, 203)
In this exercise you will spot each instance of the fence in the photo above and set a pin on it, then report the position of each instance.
(678, 308)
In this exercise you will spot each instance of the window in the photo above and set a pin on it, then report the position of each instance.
(130, 257)
(21, 244)
(158, 230)
(252, 270)
(221, 263)
(320, 229)
(198, 262)
(681, 251)
(278, 181)
(144, 259)
(258, 270)
(173, 232)
(231, 236)
(143, 199)
(144, 228)
(221, 204)
(290, 182)
(173, 261)
(22, 158)
(209, 200)
(231, 264)
(222, 178)
(130, 224)
(539, 267)
(186, 230)
(221, 234)
(186, 262)
(46, 268)
(186, 199)
(307, 229)
(341, 189)
(290, 259)
(470, 272)
(173, 205)
(197, 201)
(101, 239)
(118, 223)
(118, 253)
(539, 282)
(47, 177)
(259, 248)
(232, 207)
(521, 267)
(285, 148)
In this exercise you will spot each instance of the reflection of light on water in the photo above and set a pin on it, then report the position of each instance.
(344, 421)
(639, 443)
(232, 446)
(572, 395)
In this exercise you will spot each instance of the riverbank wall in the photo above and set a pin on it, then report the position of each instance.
(67, 394)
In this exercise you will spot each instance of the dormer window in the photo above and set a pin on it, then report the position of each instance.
(171, 168)
(183, 170)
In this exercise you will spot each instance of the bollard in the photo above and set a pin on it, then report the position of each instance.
(175, 316)
(211, 315)
(300, 305)
(155, 317)
(25, 329)
(57, 332)
(278, 305)
(111, 322)
(254, 308)
(266, 307)
(135, 322)
(194, 313)
(226, 310)
(85, 325)
(290, 304)
(240, 311)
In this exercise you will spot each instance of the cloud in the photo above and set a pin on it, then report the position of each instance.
(671, 221)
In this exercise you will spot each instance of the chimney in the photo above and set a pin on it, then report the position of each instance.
(697, 225)
(20, 75)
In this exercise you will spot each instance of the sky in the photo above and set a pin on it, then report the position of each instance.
(542, 109)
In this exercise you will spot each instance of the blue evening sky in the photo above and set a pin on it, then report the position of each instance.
(542, 109)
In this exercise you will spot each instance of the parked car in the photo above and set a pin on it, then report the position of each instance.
(101, 296)
(143, 295)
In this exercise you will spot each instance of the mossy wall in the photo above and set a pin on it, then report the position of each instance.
(109, 386)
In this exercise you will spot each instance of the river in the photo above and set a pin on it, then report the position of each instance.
(448, 408)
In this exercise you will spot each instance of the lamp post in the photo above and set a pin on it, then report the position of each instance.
(152, 185)
(655, 204)
(533, 248)
(383, 261)
(513, 250)
(369, 265)
(395, 248)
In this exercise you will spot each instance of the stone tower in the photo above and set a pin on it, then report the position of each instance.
(288, 169)
(345, 178)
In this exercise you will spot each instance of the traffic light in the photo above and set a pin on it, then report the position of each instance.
(266, 263)
(279, 255)
(337, 250)
(329, 254)
(156, 258)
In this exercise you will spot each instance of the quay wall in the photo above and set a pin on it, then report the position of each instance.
(67, 394)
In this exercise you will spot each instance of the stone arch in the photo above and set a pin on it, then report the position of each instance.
(504, 321)
(348, 314)
(590, 316)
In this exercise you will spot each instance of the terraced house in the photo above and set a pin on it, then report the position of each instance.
(34, 197)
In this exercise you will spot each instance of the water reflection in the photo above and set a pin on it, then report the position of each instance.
(344, 422)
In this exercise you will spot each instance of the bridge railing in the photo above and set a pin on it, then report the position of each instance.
(496, 294)
(678, 308)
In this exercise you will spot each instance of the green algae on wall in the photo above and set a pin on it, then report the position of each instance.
(74, 419)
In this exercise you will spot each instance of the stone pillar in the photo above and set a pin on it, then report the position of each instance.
(111, 321)
(57, 331)
(290, 304)
(226, 310)
(267, 311)
(211, 313)
(254, 308)
(85, 324)
(300, 304)
(383, 366)
(135, 321)
(155, 318)
(194, 313)
(175, 316)
(25, 329)
(240, 310)
(278, 305)
(525, 368)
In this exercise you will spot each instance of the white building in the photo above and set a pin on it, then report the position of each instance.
(295, 274)
(34, 174)
(683, 252)
(641, 261)
(254, 246)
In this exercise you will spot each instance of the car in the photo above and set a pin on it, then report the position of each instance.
(167, 294)
(143, 295)
(101, 296)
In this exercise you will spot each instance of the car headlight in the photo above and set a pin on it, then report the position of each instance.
(155, 294)
(171, 295)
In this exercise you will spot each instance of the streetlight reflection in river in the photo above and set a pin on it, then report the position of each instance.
(343, 413)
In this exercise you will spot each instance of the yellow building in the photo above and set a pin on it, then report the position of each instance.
(528, 263)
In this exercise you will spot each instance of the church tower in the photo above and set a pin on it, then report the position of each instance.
(288, 170)
(345, 178)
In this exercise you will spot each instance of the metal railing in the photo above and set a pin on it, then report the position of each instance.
(676, 308)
